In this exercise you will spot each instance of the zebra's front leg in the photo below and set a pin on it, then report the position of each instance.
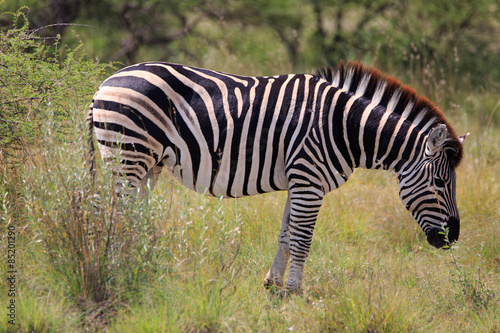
(304, 208)
(276, 274)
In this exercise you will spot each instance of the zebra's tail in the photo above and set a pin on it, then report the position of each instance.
(90, 140)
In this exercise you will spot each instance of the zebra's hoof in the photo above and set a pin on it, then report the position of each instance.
(294, 292)
(284, 292)
(275, 289)
(270, 283)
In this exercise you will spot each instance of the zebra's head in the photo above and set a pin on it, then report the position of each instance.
(428, 189)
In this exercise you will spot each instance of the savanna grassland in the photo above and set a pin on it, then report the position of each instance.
(178, 261)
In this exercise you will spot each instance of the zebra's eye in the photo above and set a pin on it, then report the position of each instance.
(439, 182)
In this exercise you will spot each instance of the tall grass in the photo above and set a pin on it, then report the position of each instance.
(367, 271)
(180, 261)
(92, 252)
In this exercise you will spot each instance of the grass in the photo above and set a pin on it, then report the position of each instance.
(178, 261)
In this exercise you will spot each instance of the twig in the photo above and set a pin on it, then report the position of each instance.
(59, 24)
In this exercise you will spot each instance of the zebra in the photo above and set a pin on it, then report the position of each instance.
(231, 136)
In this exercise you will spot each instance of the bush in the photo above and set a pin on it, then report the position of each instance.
(36, 78)
(38, 122)
(35, 82)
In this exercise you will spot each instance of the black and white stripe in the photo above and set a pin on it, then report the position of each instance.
(232, 136)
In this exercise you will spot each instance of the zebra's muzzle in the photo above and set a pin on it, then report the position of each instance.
(436, 236)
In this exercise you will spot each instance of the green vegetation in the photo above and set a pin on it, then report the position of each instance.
(180, 261)
(36, 83)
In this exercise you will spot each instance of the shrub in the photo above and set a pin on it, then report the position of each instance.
(35, 82)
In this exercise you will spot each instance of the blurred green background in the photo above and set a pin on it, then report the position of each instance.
(279, 35)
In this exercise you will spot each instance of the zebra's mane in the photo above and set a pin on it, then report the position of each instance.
(390, 93)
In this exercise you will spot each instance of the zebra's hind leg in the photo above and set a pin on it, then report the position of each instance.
(276, 274)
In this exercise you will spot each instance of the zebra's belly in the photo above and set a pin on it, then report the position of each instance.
(230, 178)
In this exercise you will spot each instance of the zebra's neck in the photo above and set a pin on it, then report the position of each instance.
(379, 139)
(376, 122)
(363, 134)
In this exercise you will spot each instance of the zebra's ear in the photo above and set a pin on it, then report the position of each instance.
(435, 140)
(462, 138)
